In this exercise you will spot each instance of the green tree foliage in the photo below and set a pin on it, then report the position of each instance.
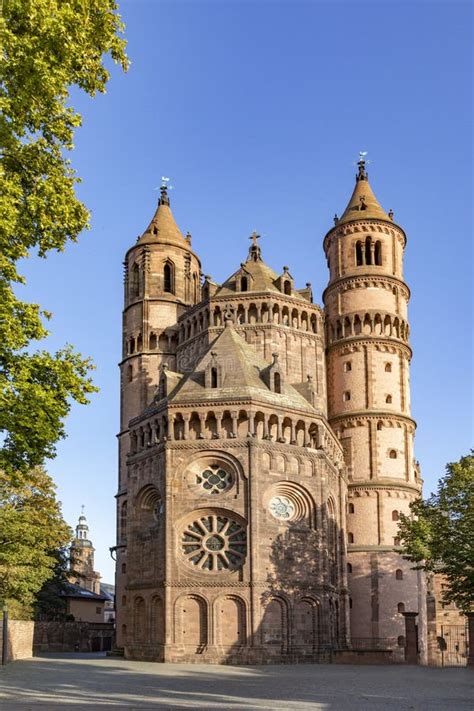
(48, 46)
(439, 533)
(32, 530)
(50, 603)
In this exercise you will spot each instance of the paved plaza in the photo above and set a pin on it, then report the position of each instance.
(92, 682)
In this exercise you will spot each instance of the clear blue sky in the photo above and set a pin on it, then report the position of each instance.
(257, 111)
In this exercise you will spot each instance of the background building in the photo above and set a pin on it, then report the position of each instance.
(88, 600)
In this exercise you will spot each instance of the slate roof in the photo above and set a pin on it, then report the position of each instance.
(76, 591)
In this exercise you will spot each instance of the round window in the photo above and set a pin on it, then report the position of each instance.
(214, 480)
(282, 507)
(214, 543)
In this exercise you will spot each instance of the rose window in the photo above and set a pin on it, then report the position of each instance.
(282, 507)
(214, 543)
(214, 480)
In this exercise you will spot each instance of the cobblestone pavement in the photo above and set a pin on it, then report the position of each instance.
(92, 682)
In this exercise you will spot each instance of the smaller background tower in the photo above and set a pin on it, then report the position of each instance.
(82, 558)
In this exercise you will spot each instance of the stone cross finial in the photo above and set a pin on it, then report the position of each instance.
(254, 237)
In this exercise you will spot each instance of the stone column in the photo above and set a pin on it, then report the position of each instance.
(411, 650)
(279, 437)
(170, 426)
(234, 415)
(219, 424)
(202, 425)
(251, 432)
(293, 432)
(186, 418)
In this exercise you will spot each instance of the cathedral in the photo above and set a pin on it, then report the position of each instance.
(266, 450)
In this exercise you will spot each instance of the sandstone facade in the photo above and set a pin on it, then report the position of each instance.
(265, 450)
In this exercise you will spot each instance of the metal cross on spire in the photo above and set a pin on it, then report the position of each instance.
(254, 237)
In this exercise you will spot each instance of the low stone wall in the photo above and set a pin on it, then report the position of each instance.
(73, 637)
(20, 639)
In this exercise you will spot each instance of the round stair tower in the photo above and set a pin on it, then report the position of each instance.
(368, 361)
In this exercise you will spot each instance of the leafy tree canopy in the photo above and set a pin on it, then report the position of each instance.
(438, 535)
(32, 531)
(48, 46)
(50, 603)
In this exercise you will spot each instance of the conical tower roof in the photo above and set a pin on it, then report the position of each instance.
(363, 204)
(163, 228)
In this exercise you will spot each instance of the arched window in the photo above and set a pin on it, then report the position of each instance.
(277, 382)
(124, 599)
(378, 253)
(347, 366)
(368, 250)
(124, 567)
(346, 396)
(195, 287)
(168, 278)
(395, 515)
(401, 640)
(130, 373)
(401, 607)
(244, 285)
(359, 259)
(393, 454)
(388, 367)
(350, 508)
(349, 567)
(388, 399)
(135, 282)
(350, 538)
(213, 377)
(287, 287)
(379, 426)
(399, 574)
(152, 341)
(139, 342)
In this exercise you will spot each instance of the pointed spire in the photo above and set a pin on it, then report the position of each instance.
(163, 227)
(363, 204)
